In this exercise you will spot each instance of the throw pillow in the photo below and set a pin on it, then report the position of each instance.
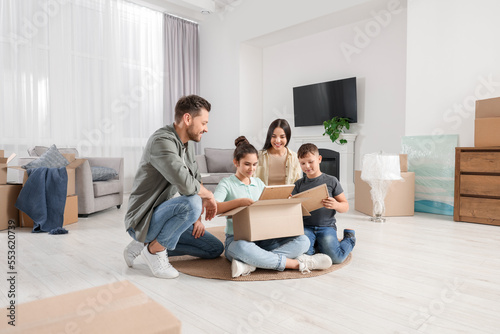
(50, 159)
(220, 160)
(103, 173)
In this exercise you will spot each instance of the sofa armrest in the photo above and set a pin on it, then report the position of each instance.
(202, 163)
(84, 188)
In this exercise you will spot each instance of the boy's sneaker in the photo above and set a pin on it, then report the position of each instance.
(239, 268)
(158, 263)
(350, 234)
(313, 262)
(132, 251)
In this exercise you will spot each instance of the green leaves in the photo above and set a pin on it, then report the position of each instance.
(336, 126)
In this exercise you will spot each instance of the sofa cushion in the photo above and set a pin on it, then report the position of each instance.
(103, 173)
(107, 188)
(50, 159)
(220, 160)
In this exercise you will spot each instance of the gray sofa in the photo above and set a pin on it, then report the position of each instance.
(215, 165)
(93, 196)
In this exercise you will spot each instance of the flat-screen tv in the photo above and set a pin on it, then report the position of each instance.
(316, 103)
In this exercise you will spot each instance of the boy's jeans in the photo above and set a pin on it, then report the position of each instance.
(266, 254)
(172, 226)
(324, 240)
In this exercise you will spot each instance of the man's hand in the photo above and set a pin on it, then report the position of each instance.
(198, 229)
(210, 206)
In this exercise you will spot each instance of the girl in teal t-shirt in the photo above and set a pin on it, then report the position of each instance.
(242, 189)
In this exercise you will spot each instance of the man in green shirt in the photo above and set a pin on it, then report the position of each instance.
(156, 215)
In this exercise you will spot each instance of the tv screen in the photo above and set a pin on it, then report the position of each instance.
(316, 103)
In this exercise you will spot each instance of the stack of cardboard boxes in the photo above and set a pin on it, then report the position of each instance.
(400, 198)
(8, 195)
(71, 208)
(10, 192)
(487, 123)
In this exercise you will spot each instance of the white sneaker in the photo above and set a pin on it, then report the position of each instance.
(313, 262)
(239, 268)
(132, 251)
(159, 265)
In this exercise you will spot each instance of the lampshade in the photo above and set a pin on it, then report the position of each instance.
(379, 166)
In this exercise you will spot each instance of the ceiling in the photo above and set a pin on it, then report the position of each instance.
(195, 10)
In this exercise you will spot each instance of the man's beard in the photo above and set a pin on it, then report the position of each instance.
(194, 136)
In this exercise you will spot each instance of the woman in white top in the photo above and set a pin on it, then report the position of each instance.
(277, 163)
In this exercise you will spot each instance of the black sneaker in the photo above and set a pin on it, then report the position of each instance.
(350, 234)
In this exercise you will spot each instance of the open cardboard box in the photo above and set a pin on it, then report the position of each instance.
(70, 169)
(268, 219)
(8, 210)
(4, 161)
(114, 308)
(275, 215)
(314, 196)
(70, 213)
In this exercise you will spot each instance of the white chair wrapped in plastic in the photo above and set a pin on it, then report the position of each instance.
(379, 170)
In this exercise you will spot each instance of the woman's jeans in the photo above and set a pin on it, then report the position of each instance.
(266, 254)
(324, 240)
(172, 226)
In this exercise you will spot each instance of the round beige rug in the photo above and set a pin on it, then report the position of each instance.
(220, 268)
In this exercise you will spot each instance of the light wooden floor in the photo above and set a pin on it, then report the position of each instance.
(421, 274)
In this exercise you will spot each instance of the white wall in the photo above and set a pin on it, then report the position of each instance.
(221, 38)
(249, 69)
(453, 59)
(379, 68)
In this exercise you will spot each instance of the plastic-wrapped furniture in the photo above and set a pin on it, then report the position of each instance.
(93, 196)
(379, 170)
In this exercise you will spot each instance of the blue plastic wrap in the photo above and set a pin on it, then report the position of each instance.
(432, 158)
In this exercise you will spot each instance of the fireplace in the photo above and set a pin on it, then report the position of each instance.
(331, 162)
(345, 161)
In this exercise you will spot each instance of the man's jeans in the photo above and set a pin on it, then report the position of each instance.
(266, 254)
(172, 226)
(324, 240)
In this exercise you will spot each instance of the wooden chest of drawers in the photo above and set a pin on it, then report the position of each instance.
(477, 185)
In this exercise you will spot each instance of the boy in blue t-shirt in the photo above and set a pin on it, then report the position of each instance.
(320, 226)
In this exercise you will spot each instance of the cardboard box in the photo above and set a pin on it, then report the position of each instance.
(488, 108)
(487, 132)
(8, 210)
(314, 197)
(403, 162)
(277, 192)
(70, 213)
(268, 219)
(115, 308)
(400, 199)
(3, 166)
(70, 169)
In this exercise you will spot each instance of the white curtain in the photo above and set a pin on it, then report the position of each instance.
(182, 62)
(81, 73)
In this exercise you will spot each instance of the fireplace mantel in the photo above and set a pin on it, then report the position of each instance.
(346, 156)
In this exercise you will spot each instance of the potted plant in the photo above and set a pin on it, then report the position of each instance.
(336, 126)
